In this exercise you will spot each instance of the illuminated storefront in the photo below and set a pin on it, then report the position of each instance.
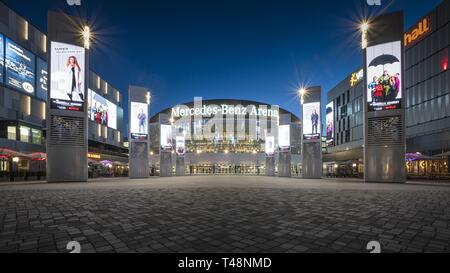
(426, 99)
(25, 98)
(222, 136)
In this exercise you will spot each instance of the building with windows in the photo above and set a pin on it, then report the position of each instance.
(427, 102)
(225, 136)
(23, 99)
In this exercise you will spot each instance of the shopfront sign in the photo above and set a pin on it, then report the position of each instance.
(422, 28)
(94, 156)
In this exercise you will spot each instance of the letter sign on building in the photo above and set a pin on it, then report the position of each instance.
(422, 28)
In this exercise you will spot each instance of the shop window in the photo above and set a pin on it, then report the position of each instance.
(24, 134)
(12, 133)
(4, 166)
(37, 136)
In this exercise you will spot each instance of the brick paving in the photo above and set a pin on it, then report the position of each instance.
(223, 214)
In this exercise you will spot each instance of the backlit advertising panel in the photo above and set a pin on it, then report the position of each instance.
(166, 137)
(311, 121)
(67, 88)
(329, 131)
(139, 121)
(20, 68)
(284, 137)
(102, 111)
(2, 56)
(270, 145)
(42, 79)
(384, 76)
(181, 145)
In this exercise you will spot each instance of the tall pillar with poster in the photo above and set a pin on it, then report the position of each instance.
(284, 146)
(180, 147)
(139, 99)
(67, 136)
(384, 115)
(270, 156)
(166, 146)
(312, 133)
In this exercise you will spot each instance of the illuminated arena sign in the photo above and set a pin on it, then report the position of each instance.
(180, 111)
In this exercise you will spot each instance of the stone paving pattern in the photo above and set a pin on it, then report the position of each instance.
(233, 214)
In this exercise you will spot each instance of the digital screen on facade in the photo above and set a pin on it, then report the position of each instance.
(139, 121)
(181, 145)
(384, 75)
(20, 68)
(67, 88)
(329, 131)
(284, 137)
(2, 57)
(101, 110)
(270, 145)
(166, 137)
(311, 121)
(42, 79)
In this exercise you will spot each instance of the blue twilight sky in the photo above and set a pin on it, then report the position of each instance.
(260, 50)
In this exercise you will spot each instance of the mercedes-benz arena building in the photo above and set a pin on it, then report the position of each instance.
(224, 136)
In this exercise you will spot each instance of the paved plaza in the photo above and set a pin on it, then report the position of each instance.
(231, 214)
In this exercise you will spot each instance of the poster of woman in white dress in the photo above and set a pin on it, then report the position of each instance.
(67, 76)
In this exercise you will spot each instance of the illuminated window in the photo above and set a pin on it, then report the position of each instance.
(106, 88)
(24, 134)
(117, 96)
(12, 133)
(118, 136)
(37, 136)
(98, 83)
(444, 60)
(105, 131)
(99, 130)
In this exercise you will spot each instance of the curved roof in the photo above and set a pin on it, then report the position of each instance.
(154, 118)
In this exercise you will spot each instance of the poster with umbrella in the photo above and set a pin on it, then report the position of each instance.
(384, 76)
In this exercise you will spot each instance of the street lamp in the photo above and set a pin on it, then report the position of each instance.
(302, 93)
(87, 37)
(364, 28)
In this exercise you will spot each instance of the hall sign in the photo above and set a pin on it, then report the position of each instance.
(178, 112)
(418, 32)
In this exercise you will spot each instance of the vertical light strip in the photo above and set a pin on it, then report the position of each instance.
(98, 83)
(43, 111)
(27, 105)
(44, 43)
(106, 88)
(25, 31)
(99, 130)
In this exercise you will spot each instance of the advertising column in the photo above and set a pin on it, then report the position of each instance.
(384, 115)
(67, 136)
(312, 133)
(139, 109)
(284, 146)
